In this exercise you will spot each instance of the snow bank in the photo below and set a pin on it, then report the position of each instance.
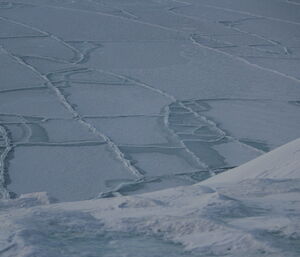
(283, 162)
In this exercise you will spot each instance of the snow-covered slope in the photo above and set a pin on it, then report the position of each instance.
(253, 210)
(284, 162)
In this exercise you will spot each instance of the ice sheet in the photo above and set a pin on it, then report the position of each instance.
(176, 90)
(67, 173)
(269, 123)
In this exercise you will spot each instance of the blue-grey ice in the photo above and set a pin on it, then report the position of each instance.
(117, 98)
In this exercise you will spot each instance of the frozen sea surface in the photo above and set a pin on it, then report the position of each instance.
(134, 96)
(106, 98)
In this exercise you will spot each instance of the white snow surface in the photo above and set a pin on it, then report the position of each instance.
(252, 210)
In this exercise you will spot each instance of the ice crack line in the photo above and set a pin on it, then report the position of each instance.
(250, 14)
(239, 58)
(191, 153)
(4, 193)
(243, 60)
(286, 50)
(46, 34)
(181, 104)
(167, 111)
(129, 14)
(133, 20)
(62, 99)
(166, 95)
(80, 119)
(232, 25)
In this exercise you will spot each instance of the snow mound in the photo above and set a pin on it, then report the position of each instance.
(283, 162)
